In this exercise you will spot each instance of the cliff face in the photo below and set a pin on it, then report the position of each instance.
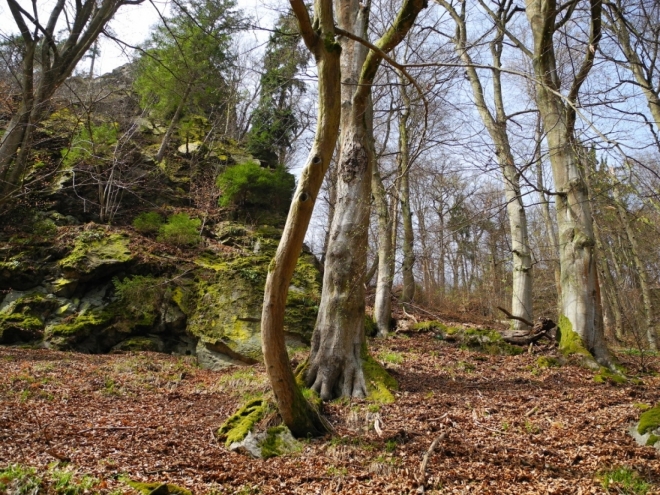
(78, 273)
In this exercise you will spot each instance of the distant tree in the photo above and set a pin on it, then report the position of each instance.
(181, 72)
(274, 121)
(48, 58)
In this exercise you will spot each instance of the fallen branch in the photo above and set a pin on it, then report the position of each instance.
(425, 461)
(509, 316)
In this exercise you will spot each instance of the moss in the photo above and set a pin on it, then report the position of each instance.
(570, 342)
(652, 440)
(157, 488)
(642, 406)
(273, 445)
(548, 362)
(490, 342)
(605, 375)
(425, 326)
(137, 344)
(20, 321)
(380, 383)
(238, 425)
(370, 327)
(81, 325)
(94, 251)
(649, 420)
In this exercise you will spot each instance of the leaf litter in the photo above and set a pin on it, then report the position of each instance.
(463, 422)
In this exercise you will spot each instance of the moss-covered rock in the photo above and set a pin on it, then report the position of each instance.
(229, 297)
(134, 344)
(605, 375)
(75, 328)
(488, 341)
(428, 326)
(96, 254)
(23, 314)
(239, 424)
(647, 430)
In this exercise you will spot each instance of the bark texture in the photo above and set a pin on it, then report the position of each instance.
(580, 298)
(335, 360)
(299, 416)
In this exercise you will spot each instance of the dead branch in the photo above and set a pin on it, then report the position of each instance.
(509, 316)
(425, 461)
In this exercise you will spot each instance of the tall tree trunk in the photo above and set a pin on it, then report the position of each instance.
(170, 128)
(576, 240)
(294, 409)
(521, 300)
(642, 273)
(383, 302)
(335, 359)
(548, 221)
(407, 249)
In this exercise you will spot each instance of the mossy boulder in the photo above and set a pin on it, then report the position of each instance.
(647, 430)
(230, 297)
(95, 254)
(22, 316)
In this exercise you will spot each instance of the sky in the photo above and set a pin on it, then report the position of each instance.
(132, 24)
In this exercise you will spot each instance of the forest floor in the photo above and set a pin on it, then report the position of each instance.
(90, 422)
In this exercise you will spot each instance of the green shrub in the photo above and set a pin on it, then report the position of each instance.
(180, 230)
(248, 185)
(142, 296)
(148, 222)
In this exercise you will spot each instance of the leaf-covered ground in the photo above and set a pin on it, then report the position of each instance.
(511, 426)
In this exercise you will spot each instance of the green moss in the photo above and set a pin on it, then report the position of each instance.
(138, 344)
(425, 326)
(81, 325)
(548, 362)
(157, 488)
(93, 251)
(238, 425)
(652, 440)
(490, 342)
(569, 341)
(380, 383)
(20, 321)
(605, 375)
(272, 445)
(649, 420)
(370, 327)
(642, 406)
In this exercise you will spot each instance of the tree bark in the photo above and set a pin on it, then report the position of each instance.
(383, 302)
(299, 416)
(576, 239)
(335, 359)
(175, 118)
(407, 249)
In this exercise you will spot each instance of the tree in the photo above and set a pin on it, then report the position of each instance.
(580, 321)
(496, 125)
(274, 122)
(335, 363)
(48, 60)
(181, 71)
(319, 37)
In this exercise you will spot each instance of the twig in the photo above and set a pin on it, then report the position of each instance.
(425, 461)
(511, 317)
(114, 428)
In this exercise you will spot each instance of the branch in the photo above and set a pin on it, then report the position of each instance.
(511, 317)
(307, 32)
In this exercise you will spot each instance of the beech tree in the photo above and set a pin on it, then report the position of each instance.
(49, 57)
(496, 125)
(335, 363)
(580, 320)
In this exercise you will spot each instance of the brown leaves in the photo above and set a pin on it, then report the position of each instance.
(513, 427)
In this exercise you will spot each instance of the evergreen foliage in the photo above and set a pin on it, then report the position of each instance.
(186, 59)
(180, 230)
(249, 186)
(274, 122)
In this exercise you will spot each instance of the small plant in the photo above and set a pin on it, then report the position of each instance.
(391, 357)
(625, 481)
(19, 480)
(65, 482)
(148, 222)
(531, 428)
(142, 296)
(505, 426)
(390, 446)
(180, 230)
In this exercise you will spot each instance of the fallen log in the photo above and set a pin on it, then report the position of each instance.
(544, 327)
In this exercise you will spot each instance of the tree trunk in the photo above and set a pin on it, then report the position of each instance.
(642, 273)
(383, 302)
(521, 301)
(576, 239)
(170, 129)
(335, 359)
(407, 249)
(299, 416)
